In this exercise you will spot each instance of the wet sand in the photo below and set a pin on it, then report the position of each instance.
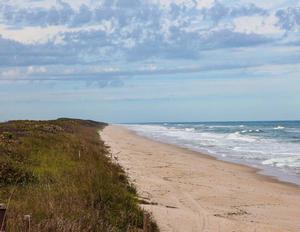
(189, 191)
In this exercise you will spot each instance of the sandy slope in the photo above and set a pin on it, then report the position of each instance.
(193, 192)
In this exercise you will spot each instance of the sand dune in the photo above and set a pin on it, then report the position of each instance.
(189, 191)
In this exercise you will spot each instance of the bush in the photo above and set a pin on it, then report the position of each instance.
(62, 190)
(14, 174)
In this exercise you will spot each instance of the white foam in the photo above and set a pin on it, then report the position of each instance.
(252, 131)
(237, 136)
(293, 161)
(279, 128)
(189, 129)
(237, 145)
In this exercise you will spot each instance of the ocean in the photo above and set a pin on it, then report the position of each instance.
(273, 147)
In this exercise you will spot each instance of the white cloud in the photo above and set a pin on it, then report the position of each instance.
(30, 35)
(205, 3)
(40, 35)
(257, 24)
(48, 4)
(11, 73)
(36, 70)
(105, 69)
(272, 4)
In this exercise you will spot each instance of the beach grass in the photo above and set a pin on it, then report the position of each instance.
(59, 172)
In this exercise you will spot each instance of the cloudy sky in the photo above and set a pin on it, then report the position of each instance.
(150, 60)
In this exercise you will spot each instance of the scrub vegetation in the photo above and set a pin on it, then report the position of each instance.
(60, 173)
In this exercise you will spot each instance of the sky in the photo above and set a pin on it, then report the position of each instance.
(150, 60)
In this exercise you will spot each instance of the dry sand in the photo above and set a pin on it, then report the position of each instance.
(193, 192)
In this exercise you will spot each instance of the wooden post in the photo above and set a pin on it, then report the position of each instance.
(27, 223)
(146, 222)
(2, 217)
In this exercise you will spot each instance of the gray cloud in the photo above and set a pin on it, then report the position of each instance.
(13, 16)
(13, 53)
(289, 19)
(139, 31)
(133, 31)
(220, 11)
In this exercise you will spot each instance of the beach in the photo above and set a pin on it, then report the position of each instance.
(189, 191)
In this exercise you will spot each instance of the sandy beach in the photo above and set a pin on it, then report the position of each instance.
(189, 191)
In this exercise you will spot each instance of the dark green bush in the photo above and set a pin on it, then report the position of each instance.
(14, 174)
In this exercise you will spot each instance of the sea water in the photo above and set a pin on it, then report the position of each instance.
(273, 147)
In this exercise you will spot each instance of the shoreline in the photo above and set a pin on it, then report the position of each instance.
(261, 171)
(190, 191)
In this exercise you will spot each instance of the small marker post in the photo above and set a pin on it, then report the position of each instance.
(27, 222)
(146, 222)
(2, 217)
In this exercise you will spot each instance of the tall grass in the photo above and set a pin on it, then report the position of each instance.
(59, 173)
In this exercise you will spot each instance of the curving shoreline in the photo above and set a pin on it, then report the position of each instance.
(184, 135)
(192, 192)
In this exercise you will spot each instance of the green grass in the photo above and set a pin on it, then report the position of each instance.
(59, 173)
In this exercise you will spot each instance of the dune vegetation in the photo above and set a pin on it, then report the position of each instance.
(59, 172)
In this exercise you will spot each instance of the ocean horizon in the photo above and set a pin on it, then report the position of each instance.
(271, 146)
